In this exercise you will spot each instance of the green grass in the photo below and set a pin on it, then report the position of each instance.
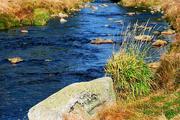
(167, 104)
(41, 16)
(130, 73)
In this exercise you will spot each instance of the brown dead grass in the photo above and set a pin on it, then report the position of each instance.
(168, 72)
(114, 112)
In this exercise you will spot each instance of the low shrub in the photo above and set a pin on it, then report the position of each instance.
(131, 75)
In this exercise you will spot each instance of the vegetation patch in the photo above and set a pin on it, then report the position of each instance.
(38, 12)
(40, 16)
(7, 21)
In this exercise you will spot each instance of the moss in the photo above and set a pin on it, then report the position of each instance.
(40, 16)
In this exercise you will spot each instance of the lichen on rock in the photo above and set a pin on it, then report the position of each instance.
(86, 96)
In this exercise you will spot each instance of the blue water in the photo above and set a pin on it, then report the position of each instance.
(57, 55)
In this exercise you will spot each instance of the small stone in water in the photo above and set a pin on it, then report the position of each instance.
(159, 43)
(168, 32)
(24, 31)
(15, 60)
(131, 13)
(101, 41)
(48, 60)
(119, 21)
(62, 20)
(143, 38)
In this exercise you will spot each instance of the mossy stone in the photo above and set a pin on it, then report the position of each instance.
(40, 16)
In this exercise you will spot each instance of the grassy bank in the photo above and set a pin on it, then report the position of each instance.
(142, 93)
(34, 12)
(157, 106)
(170, 8)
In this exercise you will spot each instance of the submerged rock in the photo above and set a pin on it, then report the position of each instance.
(78, 101)
(168, 32)
(101, 41)
(159, 43)
(143, 38)
(15, 60)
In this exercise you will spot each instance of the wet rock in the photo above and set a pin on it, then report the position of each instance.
(24, 31)
(15, 60)
(62, 20)
(101, 41)
(159, 43)
(77, 101)
(119, 21)
(131, 13)
(143, 38)
(48, 60)
(152, 11)
(168, 32)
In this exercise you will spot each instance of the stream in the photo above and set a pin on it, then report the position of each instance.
(58, 54)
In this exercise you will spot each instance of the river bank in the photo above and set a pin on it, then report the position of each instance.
(170, 9)
(26, 13)
(57, 55)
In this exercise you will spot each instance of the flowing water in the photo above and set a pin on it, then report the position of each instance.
(58, 54)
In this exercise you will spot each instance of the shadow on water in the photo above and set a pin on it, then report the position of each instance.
(57, 55)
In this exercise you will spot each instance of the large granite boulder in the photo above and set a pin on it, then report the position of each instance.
(79, 100)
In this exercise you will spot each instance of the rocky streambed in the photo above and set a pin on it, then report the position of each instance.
(57, 55)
